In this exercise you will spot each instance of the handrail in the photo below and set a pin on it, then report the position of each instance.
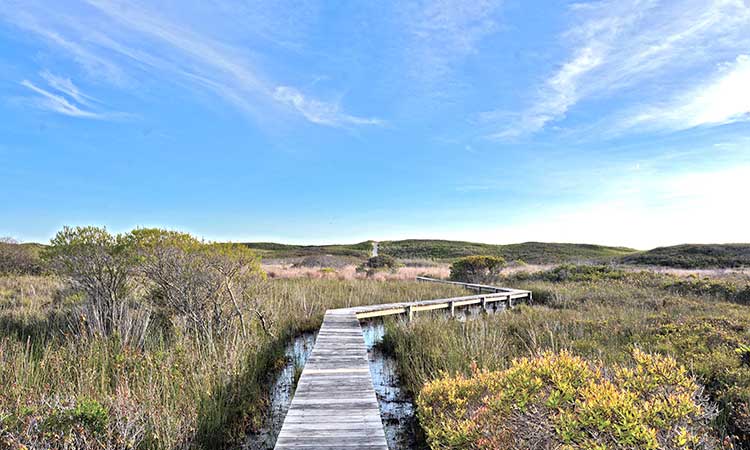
(334, 404)
(468, 285)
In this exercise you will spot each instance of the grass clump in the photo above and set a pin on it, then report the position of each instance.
(559, 400)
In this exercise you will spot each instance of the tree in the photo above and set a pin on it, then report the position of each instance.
(100, 265)
(206, 284)
(477, 269)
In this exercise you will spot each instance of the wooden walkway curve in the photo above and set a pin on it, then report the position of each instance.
(334, 406)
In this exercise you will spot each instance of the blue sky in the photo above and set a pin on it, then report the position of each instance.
(615, 122)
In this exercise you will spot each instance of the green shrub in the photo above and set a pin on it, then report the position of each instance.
(381, 262)
(572, 272)
(477, 269)
(728, 290)
(559, 400)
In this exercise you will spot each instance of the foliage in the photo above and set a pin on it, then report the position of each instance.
(477, 269)
(274, 250)
(202, 283)
(381, 262)
(174, 391)
(589, 273)
(729, 290)
(101, 266)
(19, 259)
(531, 252)
(599, 319)
(72, 424)
(694, 256)
(558, 400)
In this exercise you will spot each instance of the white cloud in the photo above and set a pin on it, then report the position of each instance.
(59, 104)
(645, 45)
(134, 40)
(67, 87)
(723, 99)
(319, 112)
(443, 32)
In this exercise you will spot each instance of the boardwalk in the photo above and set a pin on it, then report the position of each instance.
(334, 406)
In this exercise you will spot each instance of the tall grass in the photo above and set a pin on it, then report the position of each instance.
(603, 319)
(173, 392)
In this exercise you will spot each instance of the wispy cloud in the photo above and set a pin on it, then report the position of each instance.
(444, 32)
(319, 112)
(621, 45)
(67, 87)
(724, 98)
(134, 40)
(73, 106)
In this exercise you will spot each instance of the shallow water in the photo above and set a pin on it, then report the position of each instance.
(397, 409)
(281, 394)
(396, 406)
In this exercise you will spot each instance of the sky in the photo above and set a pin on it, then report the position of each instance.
(615, 122)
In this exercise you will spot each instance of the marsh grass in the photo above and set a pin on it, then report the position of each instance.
(174, 391)
(604, 318)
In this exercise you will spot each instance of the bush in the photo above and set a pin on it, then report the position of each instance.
(559, 400)
(205, 284)
(101, 266)
(72, 424)
(381, 262)
(477, 269)
(18, 259)
(573, 272)
(721, 289)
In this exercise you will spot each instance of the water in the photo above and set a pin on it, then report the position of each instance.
(281, 394)
(396, 406)
(397, 409)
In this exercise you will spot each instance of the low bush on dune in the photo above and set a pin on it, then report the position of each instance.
(477, 269)
(558, 400)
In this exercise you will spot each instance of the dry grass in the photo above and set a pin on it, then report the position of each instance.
(349, 272)
(602, 318)
(178, 391)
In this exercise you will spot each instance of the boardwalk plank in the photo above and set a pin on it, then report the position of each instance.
(334, 406)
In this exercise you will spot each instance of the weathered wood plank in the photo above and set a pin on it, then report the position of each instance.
(334, 406)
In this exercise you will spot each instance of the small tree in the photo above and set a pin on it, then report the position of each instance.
(477, 269)
(98, 264)
(206, 284)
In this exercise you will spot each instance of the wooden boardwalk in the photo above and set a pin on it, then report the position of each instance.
(334, 406)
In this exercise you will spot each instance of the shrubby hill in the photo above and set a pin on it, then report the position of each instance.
(694, 256)
(530, 252)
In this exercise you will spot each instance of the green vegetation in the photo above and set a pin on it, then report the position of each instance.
(601, 314)
(19, 259)
(154, 340)
(694, 256)
(558, 400)
(530, 252)
(273, 250)
(477, 269)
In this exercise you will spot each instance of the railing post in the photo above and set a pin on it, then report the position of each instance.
(453, 308)
(409, 313)
(510, 301)
(484, 305)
